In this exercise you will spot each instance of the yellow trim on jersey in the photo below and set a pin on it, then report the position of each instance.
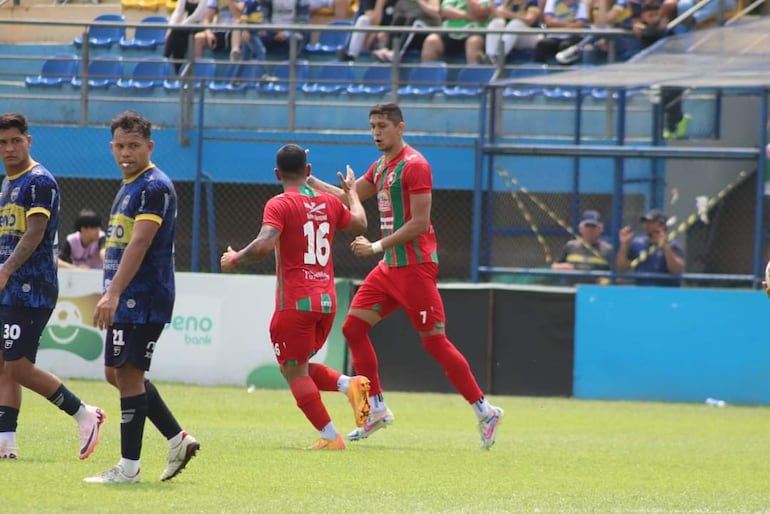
(39, 210)
(149, 217)
(19, 174)
(129, 180)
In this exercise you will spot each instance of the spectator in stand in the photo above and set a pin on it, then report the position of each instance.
(586, 252)
(285, 12)
(650, 28)
(186, 12)
(571, 14)
(512, 15)
(225, 12)
(372, 13)
(409, 13)
(84, 248)
(253, 12)
(459, 14)
(654, 252)
(592, 50)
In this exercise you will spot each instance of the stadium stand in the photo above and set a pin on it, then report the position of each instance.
(102, 73)
(331, 79)
(147, 75)
(425, 80)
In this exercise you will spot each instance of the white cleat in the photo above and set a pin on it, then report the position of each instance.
(179, 456)
(114, 475)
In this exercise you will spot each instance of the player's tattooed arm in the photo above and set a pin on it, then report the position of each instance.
(257, 250)
(36, 225)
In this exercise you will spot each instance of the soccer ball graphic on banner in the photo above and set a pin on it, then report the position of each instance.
(67, 331)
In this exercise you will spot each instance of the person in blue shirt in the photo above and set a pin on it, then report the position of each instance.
(138, 298)
(29, 287)
(654, 252)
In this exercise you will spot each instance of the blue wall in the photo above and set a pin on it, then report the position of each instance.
(668, 344)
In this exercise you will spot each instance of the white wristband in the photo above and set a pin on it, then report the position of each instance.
(377, 247)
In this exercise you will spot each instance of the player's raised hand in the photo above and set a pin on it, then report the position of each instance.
(626, 234)
(348, 181)
(228, 260)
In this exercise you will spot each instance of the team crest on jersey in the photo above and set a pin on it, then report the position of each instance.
(14, 194)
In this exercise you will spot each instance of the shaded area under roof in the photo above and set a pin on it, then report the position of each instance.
(735, 56)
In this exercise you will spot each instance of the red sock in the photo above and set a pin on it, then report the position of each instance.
(356, 332)
(455, 366)
(324, 376)
(309, 401)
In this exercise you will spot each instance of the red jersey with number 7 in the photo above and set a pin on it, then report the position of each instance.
(307, 220)
(406, 174)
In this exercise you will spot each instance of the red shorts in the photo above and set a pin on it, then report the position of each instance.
(298, 335)
(412, 287)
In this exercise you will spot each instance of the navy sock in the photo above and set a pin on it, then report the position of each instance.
(133, 412)
(66, 400)
(9, 417)
(159, 413)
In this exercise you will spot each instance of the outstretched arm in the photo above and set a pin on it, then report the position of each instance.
(257, 250)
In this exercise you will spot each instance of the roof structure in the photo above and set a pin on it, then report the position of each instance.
(734, 56)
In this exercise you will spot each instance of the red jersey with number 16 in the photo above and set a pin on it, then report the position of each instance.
(307, 221)
(406, 174)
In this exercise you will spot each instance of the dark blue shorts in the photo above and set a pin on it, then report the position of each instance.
(21, 328)
(131, 343)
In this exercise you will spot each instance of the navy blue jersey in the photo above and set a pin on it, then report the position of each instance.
(149, 297)
(33, 191)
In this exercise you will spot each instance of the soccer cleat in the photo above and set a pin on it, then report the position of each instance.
(358, 396)
(89, 430)
(337, 443)
(488, 427)
(376, 421)
(114, 475)
(179, 456)
(8, 450)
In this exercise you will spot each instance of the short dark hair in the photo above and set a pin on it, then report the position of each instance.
(15, 120)
(291, 159)
(87, 218)
(131, 121)
(651, 5)
(390, 110)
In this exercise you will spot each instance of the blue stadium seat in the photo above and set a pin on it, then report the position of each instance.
(55, 71)
(376, 80)
(204, 70)
(103, 37)
(561, 93)
(329, 42)
(524, 90)
(238, 78)
(331, 79)
(146, 75)
(281, 83)
(146, 38)
(425, 80)
(102, 73)
(470, 81)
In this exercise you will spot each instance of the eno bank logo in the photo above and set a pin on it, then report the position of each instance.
(67, 330)
(194, 330)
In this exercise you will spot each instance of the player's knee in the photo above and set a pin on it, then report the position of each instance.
(354, 329)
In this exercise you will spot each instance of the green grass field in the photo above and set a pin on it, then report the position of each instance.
(552, 455)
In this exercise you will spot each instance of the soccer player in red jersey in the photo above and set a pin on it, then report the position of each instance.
(300, 224)
(406, 276)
